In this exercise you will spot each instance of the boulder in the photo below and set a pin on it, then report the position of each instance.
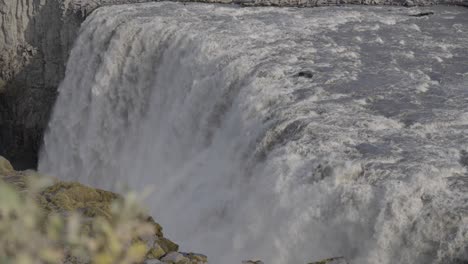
(175, 258)
(156, 251)
(167, 245)
(196, 258)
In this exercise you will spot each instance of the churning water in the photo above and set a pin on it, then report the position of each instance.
(282, 134)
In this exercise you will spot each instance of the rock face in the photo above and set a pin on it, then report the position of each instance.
(36, 37)
(66, 197)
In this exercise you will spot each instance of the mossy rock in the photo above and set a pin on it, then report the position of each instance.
(156, 252)
(167, 245)
(197, 258)
(72, 196)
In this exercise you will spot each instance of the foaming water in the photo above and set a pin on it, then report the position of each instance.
(287, 135)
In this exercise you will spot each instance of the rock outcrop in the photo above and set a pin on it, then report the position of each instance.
(35, 39)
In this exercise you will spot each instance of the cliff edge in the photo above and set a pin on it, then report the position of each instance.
(36, 37)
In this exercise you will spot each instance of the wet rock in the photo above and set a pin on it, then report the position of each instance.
(167, 245)
(430, 13)
(408, 3)
(464, 158)
(338, 260)
(306, 74)
(35, 40)
(152, 261)
(195, 257)
(175, 258)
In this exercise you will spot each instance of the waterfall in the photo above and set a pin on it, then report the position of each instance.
(283, 134)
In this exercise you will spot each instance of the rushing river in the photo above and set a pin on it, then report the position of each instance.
(283, 134)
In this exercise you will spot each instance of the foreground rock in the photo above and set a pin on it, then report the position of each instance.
(68, 197)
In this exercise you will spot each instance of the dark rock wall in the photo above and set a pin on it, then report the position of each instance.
(35, 39)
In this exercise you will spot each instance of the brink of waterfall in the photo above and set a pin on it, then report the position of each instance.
(281, 134)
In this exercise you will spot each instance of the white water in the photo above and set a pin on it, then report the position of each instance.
(249, 160)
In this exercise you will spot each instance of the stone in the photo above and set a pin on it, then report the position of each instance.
(463, 158)
(167, 245)
(152, 261)
(338, 260)
(306, 74)
(175, 258)
(423, 14)
(72, 196)
(195, 257)
(156, 251)
(252, 262)
(157, 228)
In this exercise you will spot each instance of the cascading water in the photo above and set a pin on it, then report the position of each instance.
(287, 135)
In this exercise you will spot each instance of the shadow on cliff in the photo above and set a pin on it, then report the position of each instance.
(27, 101)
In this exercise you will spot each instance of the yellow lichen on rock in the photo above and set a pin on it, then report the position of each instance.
(167, 245)
(156, 252)
(72, 196)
